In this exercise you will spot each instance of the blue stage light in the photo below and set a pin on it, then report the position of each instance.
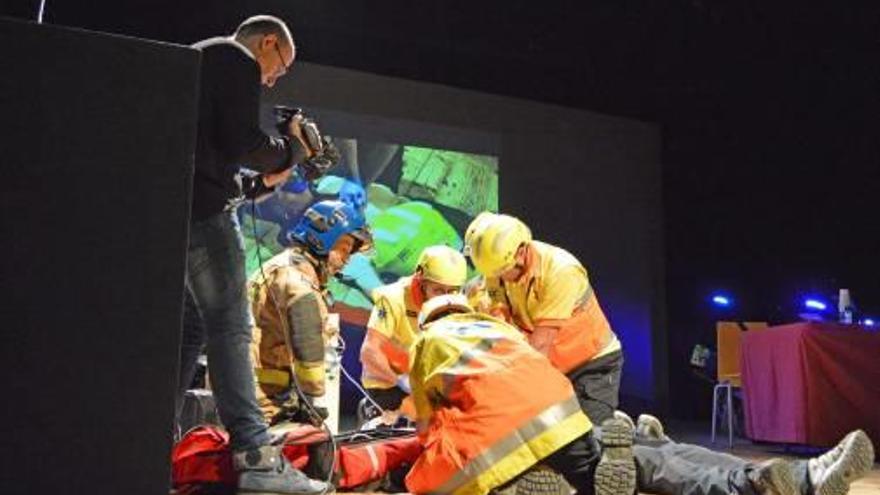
(868, 322)
(721, 300)
(815, 304)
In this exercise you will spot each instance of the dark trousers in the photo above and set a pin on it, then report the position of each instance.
(387, 398)
(667, 468)
(597, 385)
(217, 313)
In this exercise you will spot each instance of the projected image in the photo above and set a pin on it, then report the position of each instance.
(411, 196)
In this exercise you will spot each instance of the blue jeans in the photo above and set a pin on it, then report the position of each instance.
(217, 313)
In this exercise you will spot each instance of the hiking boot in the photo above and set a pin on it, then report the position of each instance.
(651, 428)
(616, 471)
(832, 472)
(618, 414)
(539, 480)
(264, 470)
(774, 477)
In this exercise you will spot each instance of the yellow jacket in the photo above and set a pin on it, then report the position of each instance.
(488, 405)
(391, 330)
(555, 292)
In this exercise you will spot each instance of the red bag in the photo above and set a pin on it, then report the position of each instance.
(202, 457)
(363, 457)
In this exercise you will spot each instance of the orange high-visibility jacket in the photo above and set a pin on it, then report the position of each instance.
(291, 282)
(391, 331)
(555, 292)
(488, 405)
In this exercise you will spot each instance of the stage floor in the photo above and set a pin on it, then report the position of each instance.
(699, 433)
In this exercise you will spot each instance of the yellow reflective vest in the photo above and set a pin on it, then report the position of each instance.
(555, 292)
(488, 405)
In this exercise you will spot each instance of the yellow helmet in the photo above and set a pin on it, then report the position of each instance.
(439, 306)
(476, 224)
(493, 243)
(443, 265)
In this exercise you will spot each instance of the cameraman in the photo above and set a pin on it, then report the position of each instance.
(216, 310)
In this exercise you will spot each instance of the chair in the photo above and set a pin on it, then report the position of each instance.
(729, 378)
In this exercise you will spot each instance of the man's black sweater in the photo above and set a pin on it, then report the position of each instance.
(229, 133)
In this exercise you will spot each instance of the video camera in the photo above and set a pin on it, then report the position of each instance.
(322, 153)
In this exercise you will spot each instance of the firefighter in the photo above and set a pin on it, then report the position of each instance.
(392, 326)
(289, 300)
(544, 290)
(489, 407)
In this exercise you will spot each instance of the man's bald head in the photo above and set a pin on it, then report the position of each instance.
(270, 42)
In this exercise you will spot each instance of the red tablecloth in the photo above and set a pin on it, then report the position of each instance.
(811, 383)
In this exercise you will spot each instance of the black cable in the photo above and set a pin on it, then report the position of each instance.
(348, 281)
(312, 411)
(354, 382)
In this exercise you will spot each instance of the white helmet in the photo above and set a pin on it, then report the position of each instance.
(440, 306)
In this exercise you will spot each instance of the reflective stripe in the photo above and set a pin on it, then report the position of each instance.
(550, 417)
(374, 462)
(279, 378)
(479, 349)
(310, 370)
(377, 379)
(528, 455)
(582, 301)
(310, 377)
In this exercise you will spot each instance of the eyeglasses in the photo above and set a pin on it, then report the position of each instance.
(281, 58)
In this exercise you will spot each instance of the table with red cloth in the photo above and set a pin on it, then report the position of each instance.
(811, 383)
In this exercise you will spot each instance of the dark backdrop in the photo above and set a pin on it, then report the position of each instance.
(768, 115)
(585, 181)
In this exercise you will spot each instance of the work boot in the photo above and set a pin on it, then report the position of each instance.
(651, 428)
(774, 477)
(618, 414)
(264, 470)
(616, 472)
(539, 480)
(832, 472)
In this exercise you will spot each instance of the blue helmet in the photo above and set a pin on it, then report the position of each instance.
(325, 222)
(353, 193)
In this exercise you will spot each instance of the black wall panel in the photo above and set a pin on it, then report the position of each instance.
(96, 149)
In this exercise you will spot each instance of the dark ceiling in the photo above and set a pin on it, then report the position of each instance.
(638, 58)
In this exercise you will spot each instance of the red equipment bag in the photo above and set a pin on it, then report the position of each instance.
(367, 456)
(202, 457)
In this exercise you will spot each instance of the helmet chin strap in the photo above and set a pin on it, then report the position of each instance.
(416, 290)
(522, 261)
(320, 263)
